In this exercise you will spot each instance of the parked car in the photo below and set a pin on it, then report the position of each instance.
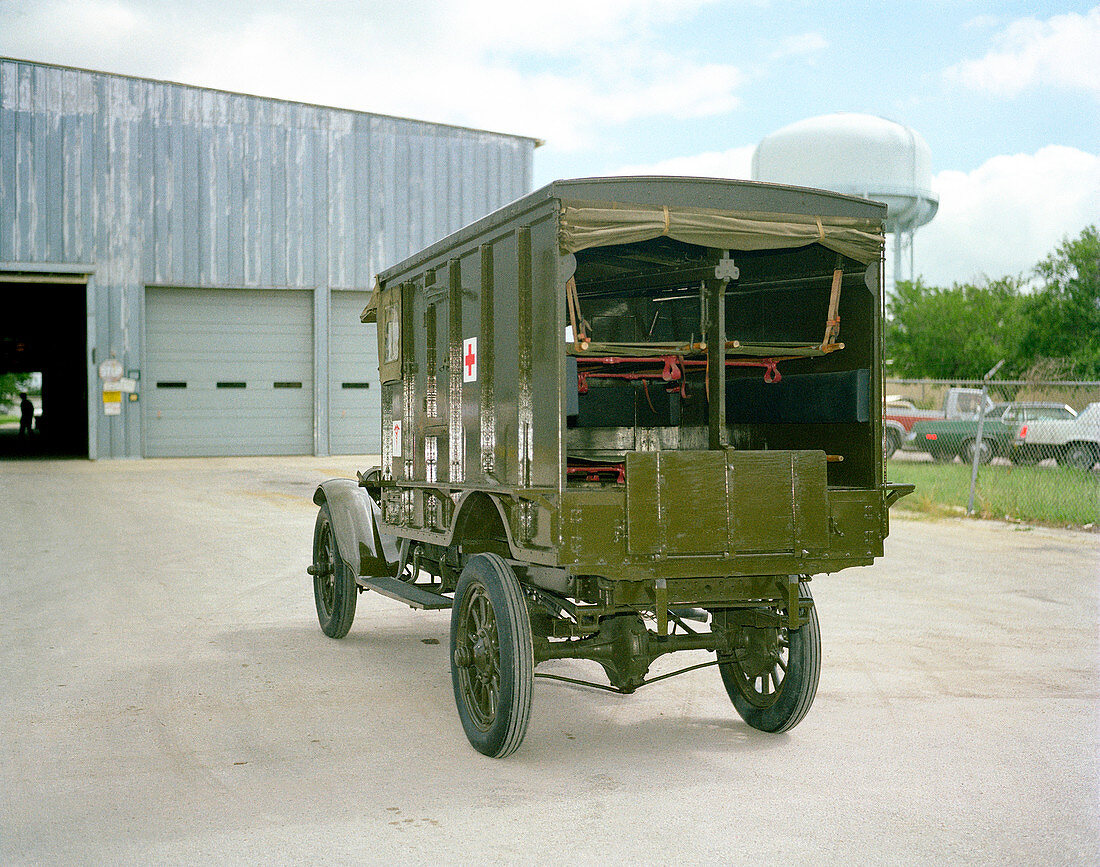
(944, 439)
(898, 419)
(1073, 442)
(900, 414)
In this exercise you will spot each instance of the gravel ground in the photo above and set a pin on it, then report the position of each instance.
(169, 698)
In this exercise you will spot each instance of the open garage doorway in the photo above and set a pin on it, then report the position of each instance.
(43, 342)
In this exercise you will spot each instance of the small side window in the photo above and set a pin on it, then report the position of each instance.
(393, 332)
(389, 334)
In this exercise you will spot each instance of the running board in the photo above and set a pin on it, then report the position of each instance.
(412, 594)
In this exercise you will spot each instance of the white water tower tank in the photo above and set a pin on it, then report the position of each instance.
(861, 155)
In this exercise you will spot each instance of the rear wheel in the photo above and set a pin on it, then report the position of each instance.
(1079, 456)
(985, 451)
(334, 588)
(492, 656)
(772, 679)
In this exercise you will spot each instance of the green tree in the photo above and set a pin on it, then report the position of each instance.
(955, 333)
(10, 386)
(1062, 317)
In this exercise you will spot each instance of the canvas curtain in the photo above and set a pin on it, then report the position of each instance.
(591, 224)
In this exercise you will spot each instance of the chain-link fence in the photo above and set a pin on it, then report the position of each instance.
(1036, 447)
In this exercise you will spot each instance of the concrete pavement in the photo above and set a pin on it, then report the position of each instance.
(167, 697)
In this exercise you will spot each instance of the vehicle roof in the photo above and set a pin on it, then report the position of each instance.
(687, 192)
(710, 193)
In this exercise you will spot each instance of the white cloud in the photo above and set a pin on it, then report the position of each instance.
(505, 26)
(733, 163)
(99, 19)
(566, 72)
(1007, 214)
(1063, 51)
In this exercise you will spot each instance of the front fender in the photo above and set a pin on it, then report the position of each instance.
(355, 517)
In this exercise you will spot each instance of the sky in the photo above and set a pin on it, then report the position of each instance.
(1007, 95)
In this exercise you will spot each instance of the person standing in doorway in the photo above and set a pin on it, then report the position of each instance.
(26, 414)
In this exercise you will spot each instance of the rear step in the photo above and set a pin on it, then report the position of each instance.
(402, 591)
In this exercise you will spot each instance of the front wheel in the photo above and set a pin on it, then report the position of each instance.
(772, 678)
(334, 588)
(492, 656)
(892, 442)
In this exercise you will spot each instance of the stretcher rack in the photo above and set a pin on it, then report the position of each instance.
(643, 358)
(591, 471)
(771, 352)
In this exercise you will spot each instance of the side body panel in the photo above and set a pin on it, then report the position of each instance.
(472, 398)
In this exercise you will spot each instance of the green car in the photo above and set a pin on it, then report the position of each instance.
(943, 439)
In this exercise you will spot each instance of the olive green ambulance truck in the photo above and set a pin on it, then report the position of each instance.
(623, 417)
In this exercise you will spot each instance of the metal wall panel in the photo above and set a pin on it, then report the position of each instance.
(154, 183)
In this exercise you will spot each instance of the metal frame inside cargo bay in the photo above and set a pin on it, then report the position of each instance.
(133, 186)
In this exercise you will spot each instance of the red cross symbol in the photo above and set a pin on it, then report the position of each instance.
(469, 360)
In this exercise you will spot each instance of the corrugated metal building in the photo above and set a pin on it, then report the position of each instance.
(219, 247)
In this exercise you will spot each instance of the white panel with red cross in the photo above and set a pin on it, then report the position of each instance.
(396, 441)
(469, 359)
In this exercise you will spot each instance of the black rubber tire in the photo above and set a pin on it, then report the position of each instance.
(892, 443)
(1078, 456)
(787, 706)
(966, 453)
(335, 592)
(494, 684)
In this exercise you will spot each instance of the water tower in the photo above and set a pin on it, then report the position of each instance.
(861, 155)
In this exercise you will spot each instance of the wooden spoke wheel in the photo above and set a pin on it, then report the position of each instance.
(772, 678)
(492, 657)
(334, 588)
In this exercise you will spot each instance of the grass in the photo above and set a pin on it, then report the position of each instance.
(1056, 496)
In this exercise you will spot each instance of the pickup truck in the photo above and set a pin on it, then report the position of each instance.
(945, 438)
(1073, 442)
(900, 414)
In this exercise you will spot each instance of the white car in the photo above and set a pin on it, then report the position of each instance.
(1072, 442)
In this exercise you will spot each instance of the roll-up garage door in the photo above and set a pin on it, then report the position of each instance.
(354, 396)
(228, 372)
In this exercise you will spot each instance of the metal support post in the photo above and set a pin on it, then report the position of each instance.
(715, 294)
(978, 439)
